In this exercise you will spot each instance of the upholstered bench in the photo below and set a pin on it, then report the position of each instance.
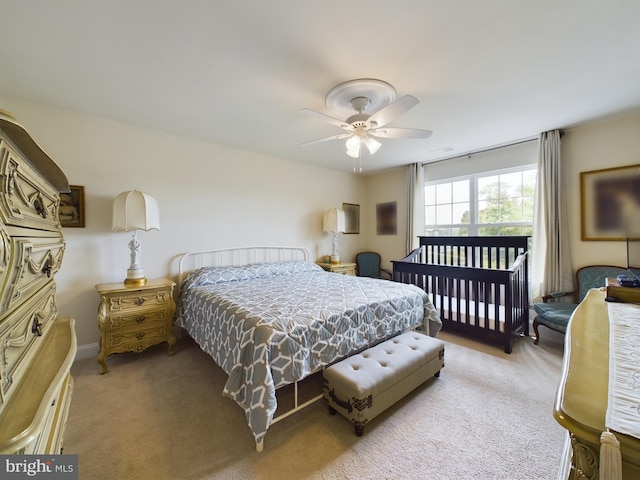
(362, 386)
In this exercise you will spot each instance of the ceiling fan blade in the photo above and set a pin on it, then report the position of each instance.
(400, 133)
(333, 137)
(393, 110)
(326, 118)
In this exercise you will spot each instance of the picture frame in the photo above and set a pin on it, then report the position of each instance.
(71, 211)
(351, 218)
(609, 199)
(387, 218)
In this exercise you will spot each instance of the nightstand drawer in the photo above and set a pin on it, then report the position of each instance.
(153, 335)
(138, 299)
(141, 318)
(341, 268)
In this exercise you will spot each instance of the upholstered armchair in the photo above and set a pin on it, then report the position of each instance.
(555, 314)
(368, 265)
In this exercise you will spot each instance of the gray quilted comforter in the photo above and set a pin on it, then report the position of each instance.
(268, 325)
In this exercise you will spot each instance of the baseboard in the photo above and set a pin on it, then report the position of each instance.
(87, 351)
(565, 462)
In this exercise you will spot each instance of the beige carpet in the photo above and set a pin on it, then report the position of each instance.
(488, 416)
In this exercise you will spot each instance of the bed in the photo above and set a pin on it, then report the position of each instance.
(479, 285)
(270, 318)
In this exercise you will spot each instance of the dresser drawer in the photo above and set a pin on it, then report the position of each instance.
(50, 439)
(27, 200)
(29, 262)
(34, 417)
(19, 339)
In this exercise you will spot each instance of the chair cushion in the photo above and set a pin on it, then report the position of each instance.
(556, 314)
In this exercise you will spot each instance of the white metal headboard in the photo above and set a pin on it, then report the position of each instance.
(237, 256)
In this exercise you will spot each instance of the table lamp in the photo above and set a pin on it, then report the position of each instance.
(334, 222)
(133, 211)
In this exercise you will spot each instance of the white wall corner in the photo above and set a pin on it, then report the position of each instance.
(87, 351)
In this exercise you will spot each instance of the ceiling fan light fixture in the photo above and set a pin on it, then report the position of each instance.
(353, 142)
(353, 146)
(372, 145)
(354, 153)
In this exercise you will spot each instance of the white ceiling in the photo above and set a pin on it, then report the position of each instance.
(237, 72)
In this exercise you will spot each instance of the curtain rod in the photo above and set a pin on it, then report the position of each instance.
(475, 152)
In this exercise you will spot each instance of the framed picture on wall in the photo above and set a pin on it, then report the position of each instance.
(72, 207)
(351, 217)
(610, 199)
(387, 218)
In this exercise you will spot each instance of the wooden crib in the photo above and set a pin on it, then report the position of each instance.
(479, 285)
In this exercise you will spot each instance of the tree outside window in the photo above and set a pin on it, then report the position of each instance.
(496, 203)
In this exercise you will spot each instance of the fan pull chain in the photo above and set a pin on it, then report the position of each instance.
(359, 160)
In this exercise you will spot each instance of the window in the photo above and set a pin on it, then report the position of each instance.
(489, 203)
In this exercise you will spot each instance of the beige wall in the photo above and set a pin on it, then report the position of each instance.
(614, 143)
(209, 196)
(389, 186)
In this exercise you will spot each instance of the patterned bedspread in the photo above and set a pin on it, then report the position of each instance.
(268, 325)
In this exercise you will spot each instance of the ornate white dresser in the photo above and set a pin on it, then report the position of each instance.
(36, 347)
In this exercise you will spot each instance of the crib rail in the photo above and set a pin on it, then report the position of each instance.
(480, 252)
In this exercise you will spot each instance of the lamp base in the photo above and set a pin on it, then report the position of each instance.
(335, 260)
(135, 277)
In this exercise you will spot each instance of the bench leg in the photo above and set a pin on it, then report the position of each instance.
(332, 411)
(359, 429)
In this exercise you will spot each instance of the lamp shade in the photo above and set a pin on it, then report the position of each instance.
(333, 221)
(135, 210)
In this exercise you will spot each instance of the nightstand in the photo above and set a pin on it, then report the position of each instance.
(133, 318)
(343, 268)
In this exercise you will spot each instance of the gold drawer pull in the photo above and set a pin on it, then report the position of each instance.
(140, 319)
(140, 335)
(139, 301)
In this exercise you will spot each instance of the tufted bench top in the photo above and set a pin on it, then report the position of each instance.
(384, 365)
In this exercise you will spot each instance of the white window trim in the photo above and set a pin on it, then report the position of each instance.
(473, 227)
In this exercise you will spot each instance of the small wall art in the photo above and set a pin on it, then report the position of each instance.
(351, 218)
(72, 207)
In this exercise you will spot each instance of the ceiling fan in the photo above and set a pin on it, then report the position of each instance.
(375, 106)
